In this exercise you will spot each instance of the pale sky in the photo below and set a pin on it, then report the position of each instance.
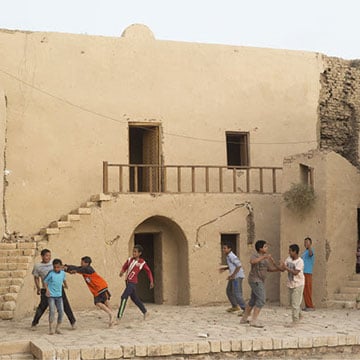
(331, 27)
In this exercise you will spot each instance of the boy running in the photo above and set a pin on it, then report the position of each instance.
(96, 284)
(53, 283)
(235, 278)
(132, 267)
(261, 263)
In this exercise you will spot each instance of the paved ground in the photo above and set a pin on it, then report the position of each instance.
(185, 324)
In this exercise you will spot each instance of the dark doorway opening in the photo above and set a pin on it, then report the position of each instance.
(144, 149)
(228, 239)
(146, 240)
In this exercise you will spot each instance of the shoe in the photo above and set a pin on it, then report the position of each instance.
(243, 321)
(73, 326)
(33, 328)
(308, 309)
(233, 309)
(241, 313)
(256, 324)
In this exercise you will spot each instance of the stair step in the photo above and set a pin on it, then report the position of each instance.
(38, 237)
(339, 304)
(349, 290)
(49, 231)
(100, 197)
(6, 315)
(88, 204)
(70, 217)
(82, 211)
(355, 277)
(60, 224)
(345, 297)
(353, 283)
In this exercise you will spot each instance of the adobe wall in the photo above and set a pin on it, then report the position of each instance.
(332, 223)
(339, 108)
(107, 236)
(294, 228)
(71, 98)
(2, 159)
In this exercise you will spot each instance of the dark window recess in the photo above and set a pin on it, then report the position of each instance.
(237, 148)
(306, 175)
(232, 239)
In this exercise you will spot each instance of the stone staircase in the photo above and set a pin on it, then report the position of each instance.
(349, 295)
(14, 263)
(16, 255)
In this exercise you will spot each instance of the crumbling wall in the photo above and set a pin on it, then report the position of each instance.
(339, 108)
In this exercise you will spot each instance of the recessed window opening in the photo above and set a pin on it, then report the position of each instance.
(306, 175)
(237, 148)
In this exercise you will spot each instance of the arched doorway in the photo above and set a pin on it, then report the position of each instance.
(166, 251)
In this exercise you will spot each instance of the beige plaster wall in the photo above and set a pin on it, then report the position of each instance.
(71, 98)
(294, 228)
(107, 236)
(343, 197)
(2, 157)
(332, 224)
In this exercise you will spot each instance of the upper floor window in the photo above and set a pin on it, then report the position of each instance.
(306, 175)
(237, 148)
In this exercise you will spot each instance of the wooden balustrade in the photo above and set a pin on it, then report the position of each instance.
(136, 178)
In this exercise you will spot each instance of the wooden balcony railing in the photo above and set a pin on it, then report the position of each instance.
(139, 178)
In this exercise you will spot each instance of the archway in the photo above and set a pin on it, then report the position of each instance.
(166, 248)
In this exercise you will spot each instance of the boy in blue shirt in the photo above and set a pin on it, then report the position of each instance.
(53, 283)
(308, 256)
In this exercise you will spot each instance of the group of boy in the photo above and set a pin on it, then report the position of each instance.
(299, 280)
(50, 282)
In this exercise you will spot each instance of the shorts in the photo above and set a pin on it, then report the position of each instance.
(103, 297)
(258, 294)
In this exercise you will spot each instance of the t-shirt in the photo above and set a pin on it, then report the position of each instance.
(259, 270)
(294, 281)
(96, 284)
(308, 261)
(55, 282)
(42, 269)
(233, 262)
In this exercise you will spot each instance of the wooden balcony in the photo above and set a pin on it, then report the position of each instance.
(145, 178)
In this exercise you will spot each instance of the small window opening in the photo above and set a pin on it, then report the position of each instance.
(237, 148)
(306, 175)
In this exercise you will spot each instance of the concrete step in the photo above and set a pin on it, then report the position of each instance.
(88, 204)
(6, 315)
(340, 304)
(70, 217)
(349, 290)
(345, 297)
(353, 283)
(49, 231)
(60, 224)
(100, 197)
(82, 211)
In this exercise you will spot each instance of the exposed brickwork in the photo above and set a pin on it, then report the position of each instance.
(339, 108)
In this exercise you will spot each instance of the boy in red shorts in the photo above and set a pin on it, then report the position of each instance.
(96, 284)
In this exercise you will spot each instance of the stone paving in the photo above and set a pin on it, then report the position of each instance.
(182, 332)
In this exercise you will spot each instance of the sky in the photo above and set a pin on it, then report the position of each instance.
(331, 27)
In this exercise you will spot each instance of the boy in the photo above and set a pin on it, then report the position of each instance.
(96, 284)
(39, 272)
(309, 257)
(294, 265)
(132, 267)
(235, 278)
(53, 283)
(261, 263)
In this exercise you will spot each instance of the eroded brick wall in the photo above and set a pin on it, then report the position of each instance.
(339, 108)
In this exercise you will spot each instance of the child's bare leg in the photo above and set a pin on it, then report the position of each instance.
(105, 307)
(246, 314)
